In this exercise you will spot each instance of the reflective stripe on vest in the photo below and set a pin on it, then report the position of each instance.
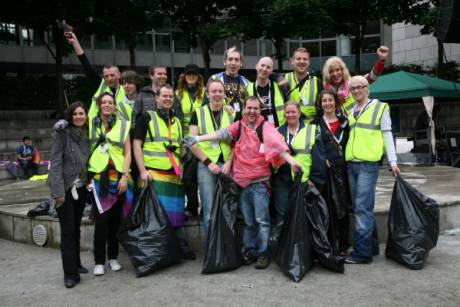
(212, 150)
(154, 150)
(279, 101)
(365, 142)
(115, 140)
(303, 144)
(309, 89)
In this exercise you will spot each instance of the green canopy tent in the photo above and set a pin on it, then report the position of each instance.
(406, 85)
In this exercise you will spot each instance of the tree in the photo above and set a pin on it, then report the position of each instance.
(202, 23)
(44, 16)
(277, 20)
(350, 17)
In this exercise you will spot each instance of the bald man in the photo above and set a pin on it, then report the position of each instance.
(268, 92)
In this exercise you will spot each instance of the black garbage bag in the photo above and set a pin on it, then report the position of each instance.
(41, 209)
(274, 238)
(223, 250)
(148, 237)
(337, 192)
(294, 254)
(413, 225)
(318, 217)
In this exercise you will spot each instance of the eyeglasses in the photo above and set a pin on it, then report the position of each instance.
(358, 87)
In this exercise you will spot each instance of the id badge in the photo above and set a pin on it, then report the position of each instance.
(236, 106)
(105, 148)
(262, 148)
(214, 145)
(304, 101)
(270, 118)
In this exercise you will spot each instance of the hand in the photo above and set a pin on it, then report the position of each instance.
(383, 52)
(227, 167)
(60, 201)
(190, 140)
(71, 37)
(395, 170)
(214, 168)
(145, 176)
(229, 109)
(122, 185)
(328, 163)
(311, 184)
(60, 125)
(30, 158)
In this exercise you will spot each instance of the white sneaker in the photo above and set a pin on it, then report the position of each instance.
(98, 270)
(114, 265)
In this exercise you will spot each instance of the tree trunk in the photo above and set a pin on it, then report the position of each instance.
(440, 70)
(59, 45)
(205, 47)
(279, 53)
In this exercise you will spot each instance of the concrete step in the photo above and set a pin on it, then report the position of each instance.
(6, 175)
(33, 133)
(33, 123)
(12, 145)
(21, 115)
(12, 155)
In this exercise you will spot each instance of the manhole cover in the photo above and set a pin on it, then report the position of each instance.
(40, 235)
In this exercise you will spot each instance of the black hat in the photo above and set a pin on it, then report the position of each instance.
(192, 68)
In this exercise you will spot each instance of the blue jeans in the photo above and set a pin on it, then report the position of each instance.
(362, 177)
(207, 187)
(254, 202)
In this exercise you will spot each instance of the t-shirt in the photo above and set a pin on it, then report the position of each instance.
(235, 92)
(333, 126)
(267, 95)
(25, 151)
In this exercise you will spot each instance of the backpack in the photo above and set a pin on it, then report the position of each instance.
(259, 131)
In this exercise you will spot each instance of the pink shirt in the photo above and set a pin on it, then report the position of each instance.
(251, 160)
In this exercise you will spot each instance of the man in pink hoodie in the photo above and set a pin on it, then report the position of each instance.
(258, 148)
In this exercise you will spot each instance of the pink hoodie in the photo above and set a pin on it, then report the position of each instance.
(249, 161)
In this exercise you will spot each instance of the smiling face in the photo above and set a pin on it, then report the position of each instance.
(112, 76)
(191, 79)
(107, 106)
(301, 62)
(264, 68)
(216, 92)
(336, 74)
(232, 63)
(359, 88)
(79, 117)
(328, 104)
(130, 88)
(252, 111)
(159, 76)
(292, 114)
(165, 98)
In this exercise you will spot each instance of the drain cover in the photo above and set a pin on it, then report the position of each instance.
(40, 235)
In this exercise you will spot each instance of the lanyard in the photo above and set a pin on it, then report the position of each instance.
(269, 105)
(214, 123)
(338, 140)
(293, 137)
(176, 167)
(192, 101)
(362, 110)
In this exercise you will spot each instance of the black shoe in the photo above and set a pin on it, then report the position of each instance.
(248, 258)
(82, 269)
(351, 260)
(262, 262)
(70, 282)
(189, 255)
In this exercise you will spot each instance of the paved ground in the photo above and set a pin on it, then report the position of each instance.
(31, 276)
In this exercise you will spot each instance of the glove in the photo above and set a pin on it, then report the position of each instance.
(60, 125)
(189, 141)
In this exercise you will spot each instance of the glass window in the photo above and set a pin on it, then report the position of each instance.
(328, 48)
(120, 43)
(313, 47)
(250, 47)
(293, 45)
(102, 41)
(85, 41)
(144, 41)
(310, 35)
(270, 48)
(162, 42)
(373, 27)
(233, 42)
(370, 44)
(7, 34)
(328, 34)
(218, 48)
(181, 44)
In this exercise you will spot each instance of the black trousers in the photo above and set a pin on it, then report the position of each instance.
(190, 182)
(70, 214)
(105, 232)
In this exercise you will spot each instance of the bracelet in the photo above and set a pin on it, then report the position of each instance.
(207, 162)
(125, 174)
(197, 138)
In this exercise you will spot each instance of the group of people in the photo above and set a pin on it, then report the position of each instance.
(261, 133)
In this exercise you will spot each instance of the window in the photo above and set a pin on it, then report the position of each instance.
(219, 47)
(102, 41)
(313, 47)
(162, 42)
(250, 48)
(373, 27)
(328, 48)
(181, 44)
(144, 41)
(233, 42)
(370, 44)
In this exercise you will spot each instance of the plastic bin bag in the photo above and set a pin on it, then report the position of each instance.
(318, 216)
(294, 254)
(148, 237)
(223, 250)
(413, 225)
